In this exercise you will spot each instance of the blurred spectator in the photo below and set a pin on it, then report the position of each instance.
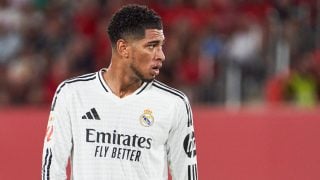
(10, 38)
(301, 86)
(10, 44)
(85, 17)
(23, 72)
(58, 71)
(245, 66)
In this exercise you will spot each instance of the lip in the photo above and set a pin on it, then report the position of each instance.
(155, 72)
(156, 69)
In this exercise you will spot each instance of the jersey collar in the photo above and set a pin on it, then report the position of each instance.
(107, 88)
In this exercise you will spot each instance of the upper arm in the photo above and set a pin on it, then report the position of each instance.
(58, 139)
(181, 145)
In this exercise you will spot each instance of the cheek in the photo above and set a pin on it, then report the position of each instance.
(143, 60)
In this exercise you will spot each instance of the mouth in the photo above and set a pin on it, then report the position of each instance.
(156, 69)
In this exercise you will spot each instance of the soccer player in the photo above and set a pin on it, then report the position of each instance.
(119, 122)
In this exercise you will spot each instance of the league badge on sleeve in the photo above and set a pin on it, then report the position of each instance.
(189, 145)
(49, 133)
(147, 119)
(49, 128)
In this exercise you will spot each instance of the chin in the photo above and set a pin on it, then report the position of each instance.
(148, 79)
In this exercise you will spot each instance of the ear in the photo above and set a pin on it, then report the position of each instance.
(123, 48)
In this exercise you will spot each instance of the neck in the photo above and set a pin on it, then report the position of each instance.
(120, 82)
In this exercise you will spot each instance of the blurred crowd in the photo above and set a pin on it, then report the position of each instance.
(229, 52)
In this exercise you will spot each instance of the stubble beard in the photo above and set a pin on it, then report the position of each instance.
(140, 75)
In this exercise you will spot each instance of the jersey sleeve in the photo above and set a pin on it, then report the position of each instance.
(181, 146)
(58, 140)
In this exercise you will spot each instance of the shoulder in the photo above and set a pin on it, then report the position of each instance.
(78, 81)
(169, 92)
(176, 97)
(68, 86)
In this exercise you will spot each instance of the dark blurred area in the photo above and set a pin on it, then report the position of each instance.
(219, 52)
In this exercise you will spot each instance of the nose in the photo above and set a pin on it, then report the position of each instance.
(160, 54)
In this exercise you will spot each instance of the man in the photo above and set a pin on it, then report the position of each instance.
(121, 123)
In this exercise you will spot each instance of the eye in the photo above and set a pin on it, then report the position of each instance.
(151, 46)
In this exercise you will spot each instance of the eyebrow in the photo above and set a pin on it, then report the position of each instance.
(156, 42)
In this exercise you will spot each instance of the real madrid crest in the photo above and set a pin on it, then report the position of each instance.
(146, 119)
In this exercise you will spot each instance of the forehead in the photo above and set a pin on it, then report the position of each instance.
(154, 34)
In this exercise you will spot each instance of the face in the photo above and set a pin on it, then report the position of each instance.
(147, 55)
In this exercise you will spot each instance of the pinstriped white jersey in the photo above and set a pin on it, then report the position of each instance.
(106, 137)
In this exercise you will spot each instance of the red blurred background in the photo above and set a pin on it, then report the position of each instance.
(278, 143)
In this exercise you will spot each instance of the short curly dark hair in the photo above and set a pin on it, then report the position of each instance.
(132, 21)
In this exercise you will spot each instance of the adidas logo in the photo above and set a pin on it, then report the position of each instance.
(92, 114)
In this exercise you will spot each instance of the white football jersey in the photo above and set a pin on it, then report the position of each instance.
(110, 138)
